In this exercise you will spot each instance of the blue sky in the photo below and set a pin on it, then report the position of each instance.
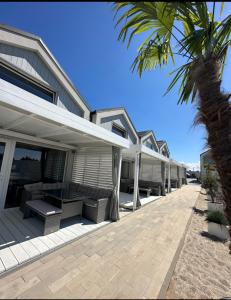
(83, 39)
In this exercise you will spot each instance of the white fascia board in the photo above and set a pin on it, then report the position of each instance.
(152, 154)
(176, 163)
(29, 103)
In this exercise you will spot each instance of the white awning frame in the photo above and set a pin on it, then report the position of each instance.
(61, 121)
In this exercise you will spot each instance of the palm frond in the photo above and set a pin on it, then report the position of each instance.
(202, 37)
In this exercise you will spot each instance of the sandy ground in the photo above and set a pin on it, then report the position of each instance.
(203, 270)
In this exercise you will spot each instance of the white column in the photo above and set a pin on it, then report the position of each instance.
(136, 179)
(6, 169)
(169, 177)
(119, 175)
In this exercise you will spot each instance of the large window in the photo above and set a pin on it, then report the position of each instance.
(24, 83)
(119, 131)
(33, 164)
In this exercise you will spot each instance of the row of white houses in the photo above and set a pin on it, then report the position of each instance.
(48, 131)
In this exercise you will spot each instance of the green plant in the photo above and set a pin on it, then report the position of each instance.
(217, 217)
(211, 184)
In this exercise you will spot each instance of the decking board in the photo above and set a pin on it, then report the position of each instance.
(21, 239)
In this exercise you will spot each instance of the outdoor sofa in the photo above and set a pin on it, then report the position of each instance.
(174, 183)
(151, 187)
(96, 204)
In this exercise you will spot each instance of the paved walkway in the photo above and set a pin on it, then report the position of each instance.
(127, 259)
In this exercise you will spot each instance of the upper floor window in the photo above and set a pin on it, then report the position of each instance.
(25, 83)
(118, 130)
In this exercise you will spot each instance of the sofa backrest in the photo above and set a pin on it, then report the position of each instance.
(54, 186)
(35, 190)
(146, 184)
(92, 192)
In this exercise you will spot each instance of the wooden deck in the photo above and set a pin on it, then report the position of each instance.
(21, 240)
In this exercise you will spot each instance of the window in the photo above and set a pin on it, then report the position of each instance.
(22, 82)
(119, 131)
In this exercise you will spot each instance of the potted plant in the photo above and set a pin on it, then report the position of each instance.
(217, 224)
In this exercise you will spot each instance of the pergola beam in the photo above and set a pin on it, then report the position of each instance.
(18, 121)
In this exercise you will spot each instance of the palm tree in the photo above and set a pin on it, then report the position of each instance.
(189, 30)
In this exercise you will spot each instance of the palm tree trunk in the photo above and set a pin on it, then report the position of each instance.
(215, 114)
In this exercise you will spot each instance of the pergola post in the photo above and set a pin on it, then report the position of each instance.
(163, 167)
(178, 177)
(169, 177)
(119, 173)
(185, 175)
(136, 179)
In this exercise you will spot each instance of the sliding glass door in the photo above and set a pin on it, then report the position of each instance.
(33, 164)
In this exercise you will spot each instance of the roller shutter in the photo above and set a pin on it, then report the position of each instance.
(93, 166)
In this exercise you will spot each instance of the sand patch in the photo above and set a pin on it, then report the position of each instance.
(203, 270)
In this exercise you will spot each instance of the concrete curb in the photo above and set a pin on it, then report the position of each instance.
(165, 285)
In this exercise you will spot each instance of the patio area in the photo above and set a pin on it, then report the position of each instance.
(126, 200)
(21, 240)
(133, 258)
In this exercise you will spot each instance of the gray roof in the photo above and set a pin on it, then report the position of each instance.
(35, 37)
(143, 133)
(161, 143)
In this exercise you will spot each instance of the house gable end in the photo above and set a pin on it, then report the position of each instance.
(30, 55)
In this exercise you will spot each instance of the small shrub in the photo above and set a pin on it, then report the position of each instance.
(217, 217)
(211, 184)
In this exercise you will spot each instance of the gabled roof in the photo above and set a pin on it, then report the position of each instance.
(161, 144)
(19, 38)
(143, 135)
(117, 110)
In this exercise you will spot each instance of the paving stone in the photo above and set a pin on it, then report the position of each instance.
(126, 259)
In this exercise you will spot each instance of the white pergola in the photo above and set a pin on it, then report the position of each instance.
(29, 119)
(27, 115)
(134, 153)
